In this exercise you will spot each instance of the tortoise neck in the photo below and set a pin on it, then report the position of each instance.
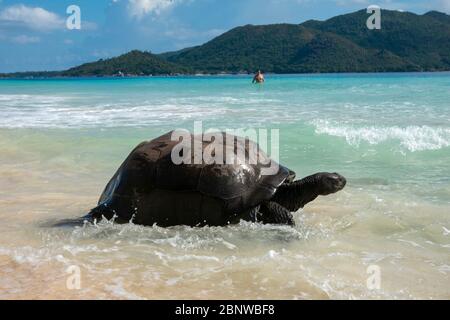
(296, 195)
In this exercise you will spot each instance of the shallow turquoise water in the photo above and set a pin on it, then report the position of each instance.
(391, 128)
(389, 134)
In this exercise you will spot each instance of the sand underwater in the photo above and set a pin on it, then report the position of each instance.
(389, 134)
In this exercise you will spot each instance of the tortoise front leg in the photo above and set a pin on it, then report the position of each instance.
(274, 213)
(268, 213)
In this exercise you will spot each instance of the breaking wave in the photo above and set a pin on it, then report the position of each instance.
(412, 138)
(40, 111)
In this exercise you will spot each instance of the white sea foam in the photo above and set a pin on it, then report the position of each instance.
(118, 290)
(42, 111)
(412, 138)
(30, 98)
(103, 116)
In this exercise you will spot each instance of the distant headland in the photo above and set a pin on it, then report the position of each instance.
(407, 42)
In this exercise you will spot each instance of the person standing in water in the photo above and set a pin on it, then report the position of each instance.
(259, 77)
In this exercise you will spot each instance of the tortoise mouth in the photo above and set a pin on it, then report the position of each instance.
(340, 182)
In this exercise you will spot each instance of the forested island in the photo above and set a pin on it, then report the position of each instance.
(407, 42)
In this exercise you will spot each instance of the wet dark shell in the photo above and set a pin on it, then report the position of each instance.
(236, 187)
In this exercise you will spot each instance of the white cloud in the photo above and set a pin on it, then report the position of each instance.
(139, 8)
(24, 39)
(34, 18)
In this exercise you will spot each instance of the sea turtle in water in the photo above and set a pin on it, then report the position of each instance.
(149, 188)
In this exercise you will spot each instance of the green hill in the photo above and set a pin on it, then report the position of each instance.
(328, 52)
(247, 49)
(420, 40)
(132, 63)
(406, 42)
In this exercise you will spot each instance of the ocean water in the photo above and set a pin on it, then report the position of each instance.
(389, 134)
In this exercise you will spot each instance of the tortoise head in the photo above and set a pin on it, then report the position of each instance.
(329, 183)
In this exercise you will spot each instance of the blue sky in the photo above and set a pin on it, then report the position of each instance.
(33, 34)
